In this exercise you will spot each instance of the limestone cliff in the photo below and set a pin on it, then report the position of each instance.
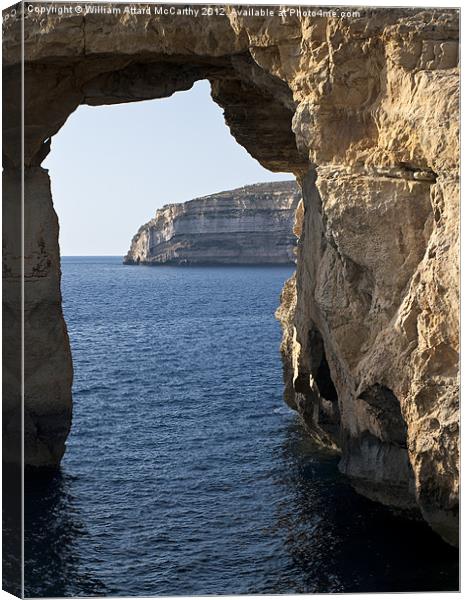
(363, 109)
(249, 225)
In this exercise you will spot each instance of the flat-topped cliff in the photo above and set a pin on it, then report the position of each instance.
(249, 225)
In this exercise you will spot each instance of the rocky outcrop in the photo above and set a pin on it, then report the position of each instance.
(249, 225)
(371, 317)
(363, 109)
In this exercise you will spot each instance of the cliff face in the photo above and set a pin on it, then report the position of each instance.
(249, 225)
(364, 111)
(370, 319)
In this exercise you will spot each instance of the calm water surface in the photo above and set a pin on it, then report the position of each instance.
(184, 471)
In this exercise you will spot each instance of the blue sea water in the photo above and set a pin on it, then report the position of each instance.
(185, 473)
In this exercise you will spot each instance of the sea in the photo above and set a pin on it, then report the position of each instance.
(185, 473)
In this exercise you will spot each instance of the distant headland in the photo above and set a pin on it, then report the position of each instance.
(249, 225)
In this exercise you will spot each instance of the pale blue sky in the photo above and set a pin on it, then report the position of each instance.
(113, 166)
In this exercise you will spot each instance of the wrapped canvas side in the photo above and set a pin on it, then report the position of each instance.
(12, 309)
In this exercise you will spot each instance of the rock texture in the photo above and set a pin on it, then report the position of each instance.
(364, 111)
(249, 225)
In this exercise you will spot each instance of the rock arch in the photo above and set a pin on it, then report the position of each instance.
(356, 109)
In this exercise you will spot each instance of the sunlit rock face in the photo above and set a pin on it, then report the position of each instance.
(364, 111)
(375, 296)
(249, 225)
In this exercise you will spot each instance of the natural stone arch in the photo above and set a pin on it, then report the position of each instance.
(357, 111)
(258, 108)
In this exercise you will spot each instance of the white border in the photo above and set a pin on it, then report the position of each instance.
(375, 3)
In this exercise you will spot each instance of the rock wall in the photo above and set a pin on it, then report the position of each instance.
(249, 225)
(364, 111)
(371, 318)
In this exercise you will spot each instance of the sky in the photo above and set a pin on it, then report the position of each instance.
(112, 166)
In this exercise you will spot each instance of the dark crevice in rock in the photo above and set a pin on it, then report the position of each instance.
(316, 395)
(409, 172)
(324, 381)
(384, 407)
(422, 173)
(329, 411)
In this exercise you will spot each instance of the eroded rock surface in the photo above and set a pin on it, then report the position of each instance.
(364, 111)
(249, 225)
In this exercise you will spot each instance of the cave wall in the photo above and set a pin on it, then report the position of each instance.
(364, 111)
